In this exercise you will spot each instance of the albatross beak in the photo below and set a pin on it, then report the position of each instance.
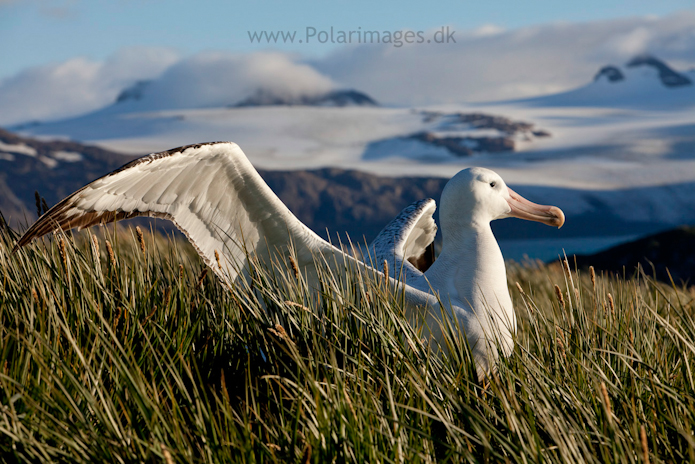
(524, 209)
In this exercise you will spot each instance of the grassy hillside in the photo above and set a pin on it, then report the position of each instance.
(115, 349)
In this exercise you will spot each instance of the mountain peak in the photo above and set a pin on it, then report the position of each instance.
(134, 92)
(668, 76)
(612, 73)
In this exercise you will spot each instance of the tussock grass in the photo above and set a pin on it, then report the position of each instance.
(133, 352)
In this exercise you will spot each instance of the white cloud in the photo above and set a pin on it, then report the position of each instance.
(487, 30)
(218, 79)
(493, 64)
(77, 85)
(80, 85)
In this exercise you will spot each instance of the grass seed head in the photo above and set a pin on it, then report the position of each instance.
(217, 258)
(521, 290)
(645, 445)
(63, 252)
(592, 273)
(95, 246)
(141, 239)
(561, 343)
(295, 268)
(110, 253)
(611, 304)
(560, 298)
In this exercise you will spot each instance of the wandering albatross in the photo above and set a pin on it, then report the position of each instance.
(212, 193)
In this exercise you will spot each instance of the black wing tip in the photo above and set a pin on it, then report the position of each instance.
(28, 237)
(31, 234)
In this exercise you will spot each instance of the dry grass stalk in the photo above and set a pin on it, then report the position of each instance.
(643, 440)
(306, 457)
(149, 316)
(168, 458)
(297, 305)
(606, 402)
(201, 277)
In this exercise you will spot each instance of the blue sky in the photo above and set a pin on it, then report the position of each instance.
(38, 32)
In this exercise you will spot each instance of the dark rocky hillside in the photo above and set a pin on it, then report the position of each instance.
(673, 250)
(53, 168)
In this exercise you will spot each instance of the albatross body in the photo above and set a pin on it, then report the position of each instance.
(218, 200)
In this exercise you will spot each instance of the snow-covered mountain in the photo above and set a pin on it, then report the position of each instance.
(644, 82)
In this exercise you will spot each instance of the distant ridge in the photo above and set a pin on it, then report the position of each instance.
(333, 98)
(671, 252)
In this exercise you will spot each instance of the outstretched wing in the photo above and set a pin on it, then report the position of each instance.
(210, 191)
(407, 242)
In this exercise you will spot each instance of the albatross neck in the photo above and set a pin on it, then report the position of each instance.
(471, 268)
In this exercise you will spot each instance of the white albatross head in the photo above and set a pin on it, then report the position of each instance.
(476, 196)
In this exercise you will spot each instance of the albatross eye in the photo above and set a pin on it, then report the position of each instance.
(493, 183)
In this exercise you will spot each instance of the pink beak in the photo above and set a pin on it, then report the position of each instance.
(524, 209)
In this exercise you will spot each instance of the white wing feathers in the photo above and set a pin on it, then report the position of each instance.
(210, 191)
(406, 243)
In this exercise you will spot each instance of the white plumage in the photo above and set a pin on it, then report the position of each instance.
(215, 196)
